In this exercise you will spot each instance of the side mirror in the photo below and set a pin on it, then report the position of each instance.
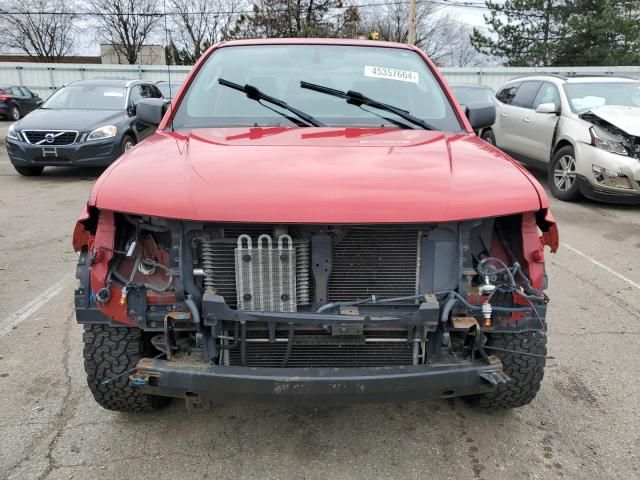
(547, 108)
(151, 110)
(39, 102)
(481, 114)
(131, 109)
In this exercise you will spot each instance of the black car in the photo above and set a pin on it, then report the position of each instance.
(16, 101)
(168, 89)
(472, 93)
(86, 123)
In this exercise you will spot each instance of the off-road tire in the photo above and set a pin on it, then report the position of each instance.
(489, 137)
(29, 171)
(109, 352)
(525, 371)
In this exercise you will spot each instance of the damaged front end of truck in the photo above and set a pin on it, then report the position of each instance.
(223, 311)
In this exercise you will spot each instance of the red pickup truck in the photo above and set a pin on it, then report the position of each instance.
(313, 220)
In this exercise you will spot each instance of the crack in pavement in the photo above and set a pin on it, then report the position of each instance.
(42, 434)
(68, 407)
(61, 418)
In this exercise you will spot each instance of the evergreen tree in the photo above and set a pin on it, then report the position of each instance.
(601, 32)
(562, 32)
(525, 32)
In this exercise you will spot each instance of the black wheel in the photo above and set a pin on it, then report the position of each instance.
(29, 171)
(14, 113)
(128, 142)
(109, 352)
(525, 371)
(489, 137)
(563, 178)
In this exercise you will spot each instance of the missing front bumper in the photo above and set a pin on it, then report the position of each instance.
(197, 381)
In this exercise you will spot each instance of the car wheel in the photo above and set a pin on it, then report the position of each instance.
(29, 171)
(489, 137)
(128, 142)
(14, 113)
(563, 178)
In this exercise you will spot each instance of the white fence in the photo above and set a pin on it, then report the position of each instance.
(44, 78)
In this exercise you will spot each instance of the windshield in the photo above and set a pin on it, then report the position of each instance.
(87, 97)
(394, 76)
(466, 95)
(586, 96)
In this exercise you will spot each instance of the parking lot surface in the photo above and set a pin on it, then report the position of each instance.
(585, 422)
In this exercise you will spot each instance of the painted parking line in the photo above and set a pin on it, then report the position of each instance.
(602, 266)
(24, 312)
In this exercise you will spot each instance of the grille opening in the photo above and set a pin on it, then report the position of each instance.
(316, 356)
(60, 137)
(316, 348)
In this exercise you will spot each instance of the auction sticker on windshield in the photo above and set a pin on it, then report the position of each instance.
(391, 74)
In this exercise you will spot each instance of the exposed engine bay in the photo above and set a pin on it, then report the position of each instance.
(313, 296)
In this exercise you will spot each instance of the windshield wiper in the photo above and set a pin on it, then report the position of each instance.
(358, 99)
(254, 94)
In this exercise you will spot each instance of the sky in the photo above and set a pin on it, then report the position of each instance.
(472, 16)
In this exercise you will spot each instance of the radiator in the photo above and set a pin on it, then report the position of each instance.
(377, 260)
(374, 261)
(322, 350)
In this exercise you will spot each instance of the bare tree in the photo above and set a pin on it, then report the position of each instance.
(201, 23)
(443, 38)
(391, 22)
(126, 24)
(461, 53)
(27, 27)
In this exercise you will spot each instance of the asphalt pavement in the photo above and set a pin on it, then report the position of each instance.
(584, 424)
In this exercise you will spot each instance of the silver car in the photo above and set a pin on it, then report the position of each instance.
(584, 130)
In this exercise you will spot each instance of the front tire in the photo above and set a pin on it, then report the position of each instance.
(128, 142)
(29, 171)
(109, 352)
(489, 137)
(563, 177)
(14, 113)
(525, 371)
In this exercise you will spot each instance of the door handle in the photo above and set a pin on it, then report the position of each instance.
(503, 115)
(526, 120)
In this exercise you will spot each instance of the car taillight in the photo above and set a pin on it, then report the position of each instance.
(4, 98)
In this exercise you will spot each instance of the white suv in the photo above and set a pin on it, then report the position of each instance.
(584, 130)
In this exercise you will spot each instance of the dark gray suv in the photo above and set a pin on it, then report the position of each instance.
(86, 123)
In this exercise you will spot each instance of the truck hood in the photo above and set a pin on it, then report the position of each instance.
(317, 175)
(626, 119)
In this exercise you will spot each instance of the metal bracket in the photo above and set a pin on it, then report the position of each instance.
(495, 378)
(322, 264)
